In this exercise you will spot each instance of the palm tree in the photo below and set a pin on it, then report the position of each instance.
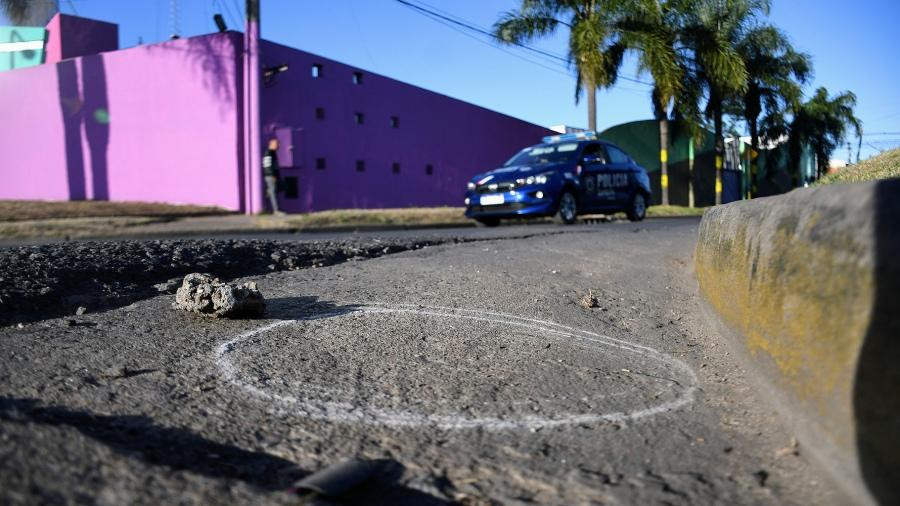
(652, 28)
(593, 46)
(822, 123)
(776, 73)
(712, 31)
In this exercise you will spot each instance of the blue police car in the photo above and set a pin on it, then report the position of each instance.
(564, 176)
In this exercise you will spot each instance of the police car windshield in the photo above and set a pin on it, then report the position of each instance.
(543, 154)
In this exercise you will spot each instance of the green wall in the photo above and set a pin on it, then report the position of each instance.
(21, 58)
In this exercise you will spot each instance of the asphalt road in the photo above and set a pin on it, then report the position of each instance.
(471, 367)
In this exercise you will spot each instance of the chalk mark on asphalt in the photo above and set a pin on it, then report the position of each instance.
(349, 413)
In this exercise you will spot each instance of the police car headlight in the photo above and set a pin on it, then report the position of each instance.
(471, 186)
(538, 179)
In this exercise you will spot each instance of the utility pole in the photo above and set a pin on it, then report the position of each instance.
(253, 201)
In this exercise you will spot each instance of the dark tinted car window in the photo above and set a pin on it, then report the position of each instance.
(594, 150)
(616, 155)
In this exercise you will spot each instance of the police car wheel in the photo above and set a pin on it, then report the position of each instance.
(487, 222)
(567, 209)
(638, 209)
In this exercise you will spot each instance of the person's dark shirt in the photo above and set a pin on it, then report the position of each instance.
(270, 163)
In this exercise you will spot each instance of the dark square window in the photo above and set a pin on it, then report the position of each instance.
(360, 166)
(320, 163)
(320, 113)
(395, 122)
(317, 70)
(359, 118)
(395, 168)
(429, 169)
(357, 78)
(290, 187)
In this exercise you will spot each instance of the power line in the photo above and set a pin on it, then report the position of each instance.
(477, 29)
(240, 12)
(460, 22)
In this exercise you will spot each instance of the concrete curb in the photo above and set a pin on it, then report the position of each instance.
(807, 285)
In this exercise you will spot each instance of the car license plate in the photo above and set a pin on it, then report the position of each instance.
(491, 200)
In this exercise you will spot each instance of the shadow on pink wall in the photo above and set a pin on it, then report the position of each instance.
(86, 119)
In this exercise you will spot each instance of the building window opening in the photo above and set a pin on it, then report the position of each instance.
(395, 122)
(317, 70)
(359, 118)
(357, 78)
(290, 187)
(320, 113)
(360, 166)
(429, 169)
(395, 168)
(320, 163)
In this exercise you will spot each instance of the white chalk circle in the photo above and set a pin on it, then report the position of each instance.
(634, 381)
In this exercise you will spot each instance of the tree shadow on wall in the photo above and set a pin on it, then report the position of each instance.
(876, 395)
(84, 105)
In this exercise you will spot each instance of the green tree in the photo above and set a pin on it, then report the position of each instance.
(28, 12)
(822, 123)
(653, 29)
(776, 73)
(15, 10)
(712, 31)
(594, 48)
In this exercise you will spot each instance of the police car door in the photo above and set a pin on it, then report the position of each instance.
(614, 181)
(592, 162)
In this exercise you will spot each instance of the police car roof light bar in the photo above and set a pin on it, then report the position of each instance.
(588, 135)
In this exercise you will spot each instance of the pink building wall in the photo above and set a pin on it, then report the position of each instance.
(164, 123)
(456, 138)
(150, 123)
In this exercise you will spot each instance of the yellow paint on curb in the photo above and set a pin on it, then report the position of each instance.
(804, 328)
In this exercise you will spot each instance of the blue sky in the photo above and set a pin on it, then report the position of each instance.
(854, 47)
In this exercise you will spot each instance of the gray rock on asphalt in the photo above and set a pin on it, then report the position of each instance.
(207, 295)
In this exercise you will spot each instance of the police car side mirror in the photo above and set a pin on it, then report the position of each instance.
(592, 159)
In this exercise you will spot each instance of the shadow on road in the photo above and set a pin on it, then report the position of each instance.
(137, 436)
(304, 308)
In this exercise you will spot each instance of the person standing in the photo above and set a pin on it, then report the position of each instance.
(271, 175)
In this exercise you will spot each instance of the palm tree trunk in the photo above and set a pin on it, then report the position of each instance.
(664, 159)
(720, 146)
(754, 157)
(591, 90)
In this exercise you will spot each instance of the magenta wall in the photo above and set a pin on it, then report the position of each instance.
(150, 123)
(457, 138)
(162, 123)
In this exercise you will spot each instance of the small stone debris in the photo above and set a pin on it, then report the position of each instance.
(762, 476)
(80, 311)
(589, 301)
(209, 296)
(791, 449)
